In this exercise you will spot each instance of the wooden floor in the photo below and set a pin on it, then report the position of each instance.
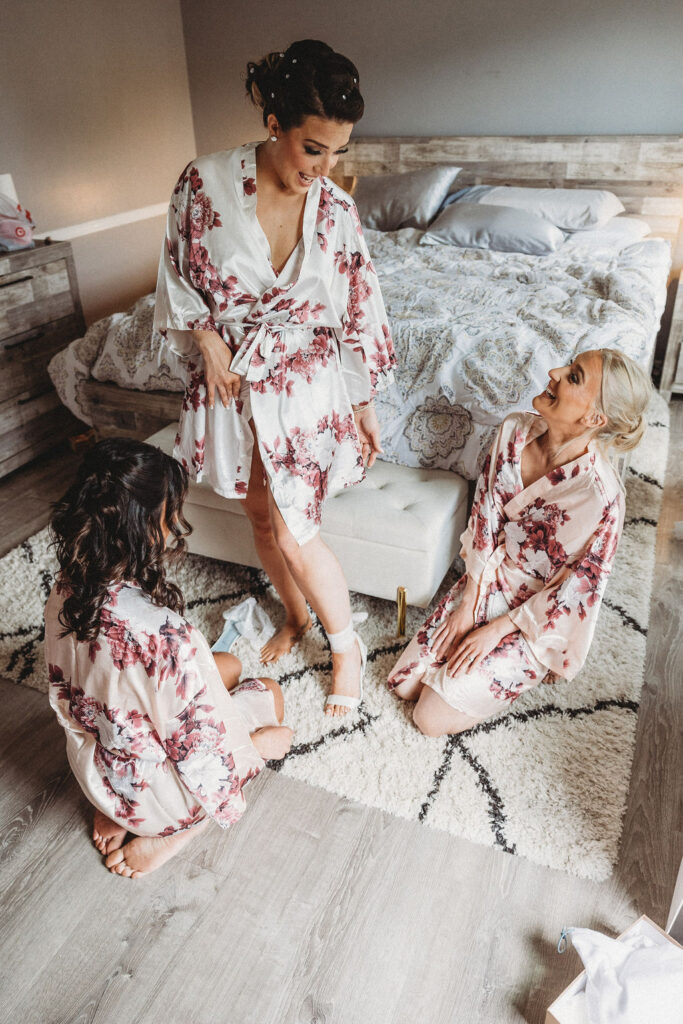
(312, 909)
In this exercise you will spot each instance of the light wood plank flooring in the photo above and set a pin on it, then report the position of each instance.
(313, 910)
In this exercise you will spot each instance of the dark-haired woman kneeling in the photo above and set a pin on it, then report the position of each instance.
(155, 740)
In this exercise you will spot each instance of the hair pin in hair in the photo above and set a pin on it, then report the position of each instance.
(293, 60)
(282, 54)
(272, 95)
(343, 95)
(355, 81)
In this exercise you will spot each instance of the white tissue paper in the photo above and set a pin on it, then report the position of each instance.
(632, 980)
(246, 619)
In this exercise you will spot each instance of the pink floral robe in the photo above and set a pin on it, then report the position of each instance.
(152, 735)
(541, 554)
(309, 343)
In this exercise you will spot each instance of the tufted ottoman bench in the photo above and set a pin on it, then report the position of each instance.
(400, 527)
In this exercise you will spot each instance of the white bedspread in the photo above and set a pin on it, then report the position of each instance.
(475, 334)
(477, 331)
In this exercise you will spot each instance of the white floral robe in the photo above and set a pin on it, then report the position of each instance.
(541, 554)
(152, 735)
(310, 342)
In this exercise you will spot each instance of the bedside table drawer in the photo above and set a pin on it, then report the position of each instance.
(35, 296)
(30, 425)
(24, 357)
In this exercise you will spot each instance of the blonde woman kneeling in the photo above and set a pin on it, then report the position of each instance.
(544, 528)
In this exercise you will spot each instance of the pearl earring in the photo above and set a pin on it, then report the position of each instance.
(273, 138)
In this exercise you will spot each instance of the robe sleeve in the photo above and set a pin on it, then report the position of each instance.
(180, 306)
(365, 344)
(559, 621)
(480, 539)
(202, 732)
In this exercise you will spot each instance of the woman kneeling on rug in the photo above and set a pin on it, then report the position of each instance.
(544, 528)
(155, 741)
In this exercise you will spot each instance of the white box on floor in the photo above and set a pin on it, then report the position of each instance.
(570, 1005)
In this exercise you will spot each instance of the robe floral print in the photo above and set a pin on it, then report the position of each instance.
(309, 342)
(541, 554)
(153, 737)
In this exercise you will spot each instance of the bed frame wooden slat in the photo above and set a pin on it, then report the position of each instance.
(644, 171)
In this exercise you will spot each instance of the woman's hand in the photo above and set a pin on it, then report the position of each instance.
(477, 644)
(455, 626)
(368, 433)
(217, 359)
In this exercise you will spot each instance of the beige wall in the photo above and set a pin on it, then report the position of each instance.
(449, 67)
(95, 120)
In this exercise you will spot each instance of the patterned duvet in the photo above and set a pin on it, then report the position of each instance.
(475, 334)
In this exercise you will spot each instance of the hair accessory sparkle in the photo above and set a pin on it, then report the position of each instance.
(355, 81)
(343, 95)
(272, 95)
(293, 60)
(287, 75)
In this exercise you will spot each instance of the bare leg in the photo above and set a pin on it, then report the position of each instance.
(272, 741)
(433, 717)
(229, 667)
(107, 835)
(144, 854)
(320, 579)
(297, 620)
(405, 677)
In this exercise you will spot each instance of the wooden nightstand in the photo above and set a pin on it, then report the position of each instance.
(40, 313)
(672, 371)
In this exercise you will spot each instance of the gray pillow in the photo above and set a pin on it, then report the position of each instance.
(387, 202)
(503, 228)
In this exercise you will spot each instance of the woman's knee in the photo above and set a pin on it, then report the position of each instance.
(291, 551)
(256, 508)
(278, 697)
(427, 720)
(230, 668)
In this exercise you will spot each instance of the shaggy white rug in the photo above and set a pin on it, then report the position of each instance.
(548, 780)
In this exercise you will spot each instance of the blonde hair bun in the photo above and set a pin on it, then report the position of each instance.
(625, 395)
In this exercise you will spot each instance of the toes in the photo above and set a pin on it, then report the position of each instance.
(114, 858)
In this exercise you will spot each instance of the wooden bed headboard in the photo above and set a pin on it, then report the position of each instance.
(644, 171)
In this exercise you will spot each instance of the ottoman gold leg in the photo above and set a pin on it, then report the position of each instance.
(401, 611)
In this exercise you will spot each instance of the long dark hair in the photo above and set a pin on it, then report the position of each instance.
(308, 79)
(108, 528)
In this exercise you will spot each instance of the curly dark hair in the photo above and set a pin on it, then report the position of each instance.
(108, 528)
(308, 79)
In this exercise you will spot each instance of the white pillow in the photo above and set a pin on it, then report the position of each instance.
(616, 233)
(503, 228)
(572, 209)
(391, 201)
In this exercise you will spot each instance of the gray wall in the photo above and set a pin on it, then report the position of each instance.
(451, 67)
(95, 120)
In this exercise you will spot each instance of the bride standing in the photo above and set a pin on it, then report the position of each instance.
(267, 291)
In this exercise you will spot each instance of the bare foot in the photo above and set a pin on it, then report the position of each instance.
(273, 741)
(283, 641)
(144, 854)
(345, 679)
(107, 835)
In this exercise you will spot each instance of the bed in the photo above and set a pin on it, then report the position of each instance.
(475, 330)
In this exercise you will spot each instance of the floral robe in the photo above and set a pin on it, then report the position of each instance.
(309, 342)
(152, 735)
(541, 554)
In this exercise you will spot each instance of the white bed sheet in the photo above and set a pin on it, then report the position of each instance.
(475, 332)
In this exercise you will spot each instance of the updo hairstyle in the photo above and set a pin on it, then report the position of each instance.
(309, 79)
(108, 528)
(624, 397)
